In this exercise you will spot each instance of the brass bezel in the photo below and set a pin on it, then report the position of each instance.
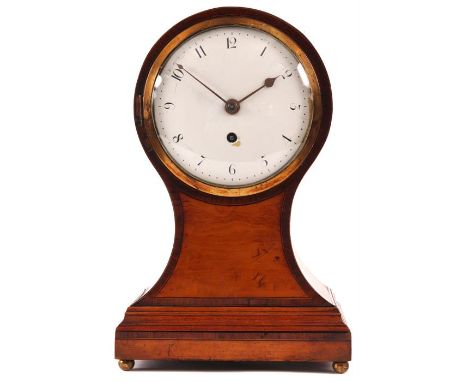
(226, 191)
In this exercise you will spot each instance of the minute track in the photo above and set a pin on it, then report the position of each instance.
(256, 115)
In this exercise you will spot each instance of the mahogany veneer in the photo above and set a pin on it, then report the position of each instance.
(232, 289)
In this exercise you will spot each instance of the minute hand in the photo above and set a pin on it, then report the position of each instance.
(269, 82)
(196, 79)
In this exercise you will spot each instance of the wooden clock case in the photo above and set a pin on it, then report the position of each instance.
(232, 289)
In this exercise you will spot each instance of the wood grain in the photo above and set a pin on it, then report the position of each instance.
(233, 350)
(232, 289)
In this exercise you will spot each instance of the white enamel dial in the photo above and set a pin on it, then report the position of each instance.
(209, 117)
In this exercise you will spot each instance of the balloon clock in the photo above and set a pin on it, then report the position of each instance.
(232, 106)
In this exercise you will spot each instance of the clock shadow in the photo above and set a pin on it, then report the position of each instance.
(233, 366)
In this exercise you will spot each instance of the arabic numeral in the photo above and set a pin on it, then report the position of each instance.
(231, 42)
(177, 138)
(200, 51)
(202, 159)
(232, 169)
(287, 73)
(293, 106)
(177, 74)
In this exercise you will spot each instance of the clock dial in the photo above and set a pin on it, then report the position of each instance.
(232, 106)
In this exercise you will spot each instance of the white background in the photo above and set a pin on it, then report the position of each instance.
(86, 222)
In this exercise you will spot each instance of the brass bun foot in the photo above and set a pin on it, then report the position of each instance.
(126, 364)
(340, 367)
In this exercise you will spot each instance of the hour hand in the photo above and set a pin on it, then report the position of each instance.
(268, 83)
(181, 67)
